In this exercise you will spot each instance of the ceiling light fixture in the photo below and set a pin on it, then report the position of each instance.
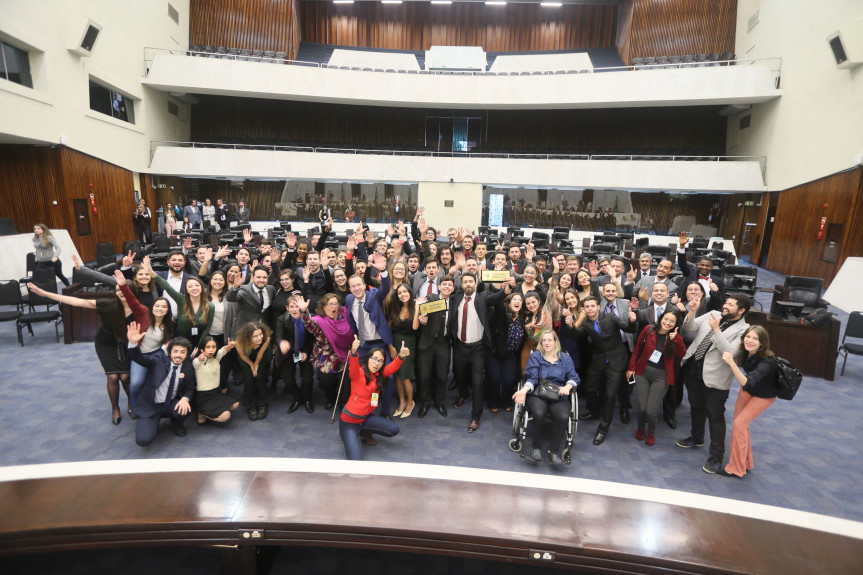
(343, 1)
(442, 2)
(391, 1)
(495, 3)
(551, 4)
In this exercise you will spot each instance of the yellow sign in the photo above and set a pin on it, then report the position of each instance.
(495, 275)
(433, 306)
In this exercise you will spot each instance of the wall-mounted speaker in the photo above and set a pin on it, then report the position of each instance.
(82, 35)
(846, 45)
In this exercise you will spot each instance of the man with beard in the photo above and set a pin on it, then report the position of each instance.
(470, 339)
(175, 276)
(708, 378)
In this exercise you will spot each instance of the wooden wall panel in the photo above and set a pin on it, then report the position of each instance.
(794, 247)
(420, 25)
(36, 176)
(696, 130)
(253, 24)
(677, 27)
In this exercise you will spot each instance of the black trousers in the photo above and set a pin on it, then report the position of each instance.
(598, 400)
(329, 382)
(255, 386)
(302, 392)
(559, 411)
(432, 371)
(706, 403)
(146, 428)
(57, 267)
(469, 363)
(674, 397)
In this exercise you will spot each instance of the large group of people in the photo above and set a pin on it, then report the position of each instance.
(389, 324)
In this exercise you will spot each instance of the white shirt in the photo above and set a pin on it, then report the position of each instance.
(356, 309)
(474, 326)
(177, 284)
(256, 290)
(162, 390)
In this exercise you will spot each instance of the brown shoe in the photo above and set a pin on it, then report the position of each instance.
(474, 425)
(459, 402)
(368, 439)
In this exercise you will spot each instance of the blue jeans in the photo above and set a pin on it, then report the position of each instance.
(350, 433)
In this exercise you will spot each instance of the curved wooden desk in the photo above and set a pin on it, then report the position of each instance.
(594, 532)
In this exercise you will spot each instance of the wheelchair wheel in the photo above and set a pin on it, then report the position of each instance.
(566, 455)
(515, 444)
(518, 413)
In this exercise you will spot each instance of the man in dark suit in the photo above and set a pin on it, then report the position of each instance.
(471, 339)
(426, 282)
(367, 320)
(168, 389)
(644, 288)
(253, 299)
(608, 363)
(701, 274)
(612, 304)
(223, 214)
(316, 280)
(242, 213)
(643, 271)
(435, 350)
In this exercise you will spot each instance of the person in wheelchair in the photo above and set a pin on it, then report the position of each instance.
(547, 365)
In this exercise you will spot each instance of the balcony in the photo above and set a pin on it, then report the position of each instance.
(717, 174)
(740, 82)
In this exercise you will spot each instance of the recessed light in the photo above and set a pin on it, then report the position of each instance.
(391, 1)
(551, 4)
(442, 2)
(495, 3)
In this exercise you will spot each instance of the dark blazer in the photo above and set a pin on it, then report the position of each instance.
(420, 278)
(647, 316)
(621, 307)
(158, 367)
(248, 306)
(286, 331)
(481, 304)
(431, 329)
(691, 274)
(607, 344)
(319, 285)
(374, 305)
(500, 322)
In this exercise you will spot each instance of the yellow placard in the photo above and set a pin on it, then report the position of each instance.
(433, 306)
(495, 275)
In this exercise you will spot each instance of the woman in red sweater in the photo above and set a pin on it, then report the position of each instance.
(367, 383)
(652, 363)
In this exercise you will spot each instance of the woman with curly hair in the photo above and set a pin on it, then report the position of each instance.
(253, 349)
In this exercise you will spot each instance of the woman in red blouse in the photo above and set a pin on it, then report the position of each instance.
(367, 383)
(652, 363)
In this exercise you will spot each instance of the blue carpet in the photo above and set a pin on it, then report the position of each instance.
(54, 408)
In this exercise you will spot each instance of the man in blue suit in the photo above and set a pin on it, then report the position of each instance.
(168, 389)
(367, 319)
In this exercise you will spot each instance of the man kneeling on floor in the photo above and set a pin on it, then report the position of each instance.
(168, 389)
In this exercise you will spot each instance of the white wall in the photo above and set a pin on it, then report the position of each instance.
(466, 209)
(59, 105)
(737, 176)
(816, 128)
(686, 86)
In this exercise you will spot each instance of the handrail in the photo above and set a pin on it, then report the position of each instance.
(775, 69)
(479, 154)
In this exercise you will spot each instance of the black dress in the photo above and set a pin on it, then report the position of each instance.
(110, 349)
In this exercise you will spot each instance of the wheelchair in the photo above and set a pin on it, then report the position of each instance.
(521, 417)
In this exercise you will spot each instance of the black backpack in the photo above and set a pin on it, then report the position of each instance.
(789, 379)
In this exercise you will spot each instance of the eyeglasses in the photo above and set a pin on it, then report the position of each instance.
(333, 304)
(376, 360)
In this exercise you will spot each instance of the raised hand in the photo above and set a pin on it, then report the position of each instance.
(325, 257)
(145, 263)
(119, 278)
(673, 333)
(642, 293)
(36, 289)
(458, 258)
(593, 269)
(694, 303)
(202, 356)
(422, 226)
(675, 299)
(129, 259)
(632, 316)
(247, 235)
(351, 244)
(555, 268)
(420, 211)
(391, 230)
(303, 304)
(420, 301)
(355, 345)
(290, 240)
(683, 239)
(630, 275)
(633, 303)
(530, 253)
(208, 254)
(306, 274)
(714, 322)
(224, 251)
(712, 284)
(728, 358)
(76, 261)
(379, 261)
(402, 230)
(133, 333)
(230, 345)
(187, 243)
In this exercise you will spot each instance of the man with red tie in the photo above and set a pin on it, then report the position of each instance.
(467, 327)
(701, 273)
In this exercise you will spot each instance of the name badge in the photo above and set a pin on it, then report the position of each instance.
(655, 356)
(494, 275)
(374, 400)
(194, 331)
(433, 306)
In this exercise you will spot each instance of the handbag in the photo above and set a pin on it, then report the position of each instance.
(788, 379)
(547, 390)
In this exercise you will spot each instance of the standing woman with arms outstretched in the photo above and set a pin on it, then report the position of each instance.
(755, 370)
(333, 338)
(48, 251)
(110, 342)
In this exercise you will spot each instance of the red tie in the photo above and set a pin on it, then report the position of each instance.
(464, 320)
(431, 283)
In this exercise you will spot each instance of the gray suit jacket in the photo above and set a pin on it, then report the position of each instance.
(647, 283)
(716, 373)
(621, 308)
(248, 306)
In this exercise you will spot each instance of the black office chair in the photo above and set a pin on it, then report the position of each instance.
(854, 329)
(740, 279)
(10, 294)
(49, 315)
(31, 265)
(603, 249)
(798, 289)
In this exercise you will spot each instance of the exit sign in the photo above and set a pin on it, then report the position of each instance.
(749, 203)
